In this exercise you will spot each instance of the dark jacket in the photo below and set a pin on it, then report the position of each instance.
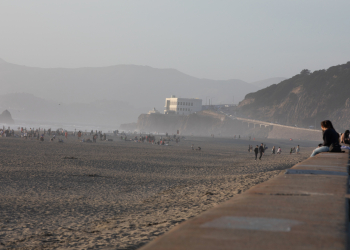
(261, 149)
(330, 136)
(256, 150)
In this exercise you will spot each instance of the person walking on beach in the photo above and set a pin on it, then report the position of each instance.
(298, 150)
(256, 151)
(273, 150)
(261, 150)
(279, 150)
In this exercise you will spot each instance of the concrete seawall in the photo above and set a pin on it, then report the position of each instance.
(307, 207)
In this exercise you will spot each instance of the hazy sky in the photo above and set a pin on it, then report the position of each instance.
(246, 39)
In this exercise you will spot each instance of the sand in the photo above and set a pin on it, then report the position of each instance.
(121, 195)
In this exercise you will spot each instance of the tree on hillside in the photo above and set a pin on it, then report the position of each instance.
(305, 72)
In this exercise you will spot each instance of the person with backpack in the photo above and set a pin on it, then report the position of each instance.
(330, 139)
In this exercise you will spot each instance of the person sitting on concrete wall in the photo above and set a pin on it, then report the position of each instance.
(330, 139)
(345, 137)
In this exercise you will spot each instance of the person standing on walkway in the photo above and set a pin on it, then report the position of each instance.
(261, 150)
(256, 151)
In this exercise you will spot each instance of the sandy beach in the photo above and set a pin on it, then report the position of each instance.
(121, 194)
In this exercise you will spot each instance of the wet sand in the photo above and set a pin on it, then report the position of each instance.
(121, 195)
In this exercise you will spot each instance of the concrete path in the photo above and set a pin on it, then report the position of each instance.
(307, 207)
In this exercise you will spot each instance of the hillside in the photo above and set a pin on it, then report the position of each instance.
(141, 86)
(304, 99)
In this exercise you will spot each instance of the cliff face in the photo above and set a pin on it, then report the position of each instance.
(206, 123)
(197, 124)
(6, 118)
(304, 99)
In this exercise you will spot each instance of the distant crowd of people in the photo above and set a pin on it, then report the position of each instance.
(262, 149)
(40, 134)
(332, 141)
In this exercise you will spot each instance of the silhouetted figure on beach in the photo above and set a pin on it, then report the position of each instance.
(261, 150)
(256, 151)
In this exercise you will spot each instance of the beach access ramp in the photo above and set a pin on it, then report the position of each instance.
(307, 207)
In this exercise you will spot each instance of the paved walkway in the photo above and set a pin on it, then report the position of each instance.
(307, 207)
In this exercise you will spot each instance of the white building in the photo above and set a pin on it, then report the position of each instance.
(182, 106)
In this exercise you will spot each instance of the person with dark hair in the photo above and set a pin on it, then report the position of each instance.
(261, 150)
(345, 137)
(256, 151)
(330, 139)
